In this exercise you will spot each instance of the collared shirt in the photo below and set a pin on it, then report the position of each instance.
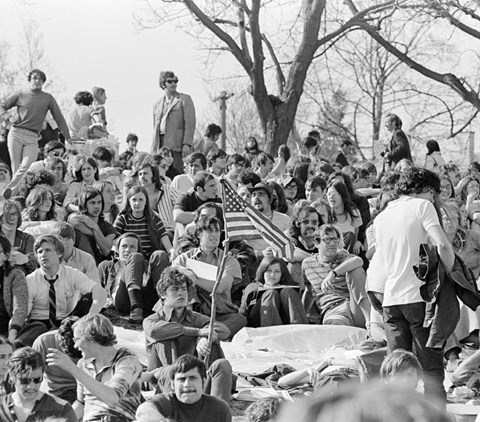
(163, 326)
(45, 406)
(85, 263)
(122, 374)
(69, 284)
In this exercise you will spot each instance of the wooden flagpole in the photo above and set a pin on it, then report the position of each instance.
(214, 298)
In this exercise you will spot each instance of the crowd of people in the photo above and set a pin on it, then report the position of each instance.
(80, 235)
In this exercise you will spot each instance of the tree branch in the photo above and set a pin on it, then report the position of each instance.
(448, 79)
(222, 35)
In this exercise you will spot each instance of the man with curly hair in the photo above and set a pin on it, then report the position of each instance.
(59, 382)
(174, 330)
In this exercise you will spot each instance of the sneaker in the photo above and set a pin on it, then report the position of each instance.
(136, 315)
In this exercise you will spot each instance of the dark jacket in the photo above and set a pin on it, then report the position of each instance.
(441, 290)
(398, 149)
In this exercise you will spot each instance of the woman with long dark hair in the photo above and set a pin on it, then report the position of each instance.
(344, 215)
(138, 218)
(274, 298)
(22, 256)
(14, 297)
(86, 172)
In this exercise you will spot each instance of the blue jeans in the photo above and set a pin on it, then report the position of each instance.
(404, 328)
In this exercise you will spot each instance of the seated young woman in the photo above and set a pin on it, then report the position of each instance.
(14, 297)
(99, 233)
(138, 218)
(22, 255)
(86, 172)
(274, 297)
(39, 207)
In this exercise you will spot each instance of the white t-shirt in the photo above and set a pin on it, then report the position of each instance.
(399, 230)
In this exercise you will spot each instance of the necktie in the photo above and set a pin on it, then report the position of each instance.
(52, 309)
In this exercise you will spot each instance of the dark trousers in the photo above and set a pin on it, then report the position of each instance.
(178, 161)
(404, 327)
(132, 282)
(34, 328)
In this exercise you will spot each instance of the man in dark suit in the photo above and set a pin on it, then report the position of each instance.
(398, 148)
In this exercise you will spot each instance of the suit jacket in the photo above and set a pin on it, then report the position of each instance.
(398, 148)
(179, 124)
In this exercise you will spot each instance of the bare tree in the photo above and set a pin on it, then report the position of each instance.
(453, 11)
(236, 26)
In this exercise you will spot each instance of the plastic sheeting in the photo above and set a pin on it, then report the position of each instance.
(255, 350)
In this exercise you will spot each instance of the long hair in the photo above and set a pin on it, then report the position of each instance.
(157, 181)
(348, 204)
(285, 280)
(89, 192)
(78, 168)
(7, 248)
(147, 213)
(35, 200)
(114, 209)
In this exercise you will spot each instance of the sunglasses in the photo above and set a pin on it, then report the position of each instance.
(27, 381)
(172, 81)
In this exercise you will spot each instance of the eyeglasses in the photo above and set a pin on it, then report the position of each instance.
(327, 240)
(172, 81)
(312, 222)
(27, 381)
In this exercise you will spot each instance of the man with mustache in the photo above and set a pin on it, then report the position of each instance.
(264, 201)
(305, 221)
(335, 281)
(187, 403)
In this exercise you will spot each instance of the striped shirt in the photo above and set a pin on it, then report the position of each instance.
(168, 198)
(128, 223)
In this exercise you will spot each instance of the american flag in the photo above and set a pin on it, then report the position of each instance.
(243, 222)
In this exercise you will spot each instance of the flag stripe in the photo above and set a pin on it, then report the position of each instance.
(242, 221)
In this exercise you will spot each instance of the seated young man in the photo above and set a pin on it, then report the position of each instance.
(187, 402)
(108, 377)
(205, 189)
(123, 277)
(208, 233)
(60, 383)
(335, 281)
(174, 330)
(72, 256)
(56, 291)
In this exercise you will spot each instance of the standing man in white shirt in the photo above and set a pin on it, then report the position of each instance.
(399, 230)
